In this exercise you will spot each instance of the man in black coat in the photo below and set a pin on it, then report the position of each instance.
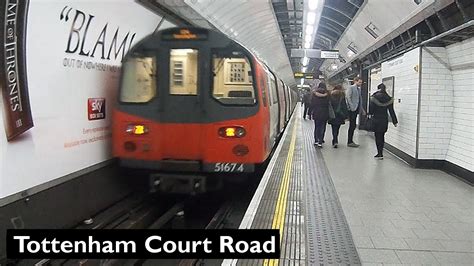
(307, 104)
(320, 109)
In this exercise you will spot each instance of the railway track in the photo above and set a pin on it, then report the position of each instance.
(140, 210)
(136, 211)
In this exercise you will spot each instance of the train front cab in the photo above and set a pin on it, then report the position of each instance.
(193, 106)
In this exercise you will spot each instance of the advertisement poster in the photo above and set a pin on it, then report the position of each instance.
(389, 85)
(60, 69)
(13, 77)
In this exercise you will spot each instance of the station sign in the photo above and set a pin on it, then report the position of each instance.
(304, 86)
(315, 53)
(183, 34)
(332, 54)
(300, 75)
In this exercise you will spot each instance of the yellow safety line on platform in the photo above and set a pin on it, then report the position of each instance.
(280, 209)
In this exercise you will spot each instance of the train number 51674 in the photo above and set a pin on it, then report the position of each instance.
(228, 167)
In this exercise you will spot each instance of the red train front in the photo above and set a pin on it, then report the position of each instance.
(193, 101)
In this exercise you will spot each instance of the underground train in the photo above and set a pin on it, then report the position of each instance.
(195, 107)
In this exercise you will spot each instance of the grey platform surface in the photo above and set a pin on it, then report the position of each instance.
(398, 214)
(329, 238)
(315, 230)
(344, 207)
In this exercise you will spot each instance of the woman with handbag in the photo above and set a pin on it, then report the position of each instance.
(340, 110)
(380, 102)
(320, 109)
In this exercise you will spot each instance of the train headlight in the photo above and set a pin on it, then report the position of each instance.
(137, 129)
(232, 132)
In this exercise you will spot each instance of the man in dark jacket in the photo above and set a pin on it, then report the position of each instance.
(380, 102)
(307, 104)
(320, 109)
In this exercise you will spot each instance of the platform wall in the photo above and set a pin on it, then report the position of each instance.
(406, 80)
(439, 93)
(436, 110)
(73, 52)
(448, 104)
(461, 146)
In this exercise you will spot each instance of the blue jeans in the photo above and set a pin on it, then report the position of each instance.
(319, 130)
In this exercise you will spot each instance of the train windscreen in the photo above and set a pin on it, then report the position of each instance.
(232, 78)
(138, 80)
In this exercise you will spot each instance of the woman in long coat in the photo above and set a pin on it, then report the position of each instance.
(320, 109)
(341, 112)
(380, 102)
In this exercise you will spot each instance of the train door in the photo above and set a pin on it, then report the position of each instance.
(292, 105)
(274, 107)
(180, 105)
(282, 102)
(288, 104)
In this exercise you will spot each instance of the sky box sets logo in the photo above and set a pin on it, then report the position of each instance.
(96, 108)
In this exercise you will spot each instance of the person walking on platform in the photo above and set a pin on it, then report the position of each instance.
(354, 102)
(338, 103)
(307, 104)
(380, 102)
(320, 109)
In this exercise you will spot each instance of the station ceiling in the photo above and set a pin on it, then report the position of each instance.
(336, 15)
(252, 23)
(363, 31)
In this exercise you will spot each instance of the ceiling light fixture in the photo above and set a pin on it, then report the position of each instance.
(311, 18)
(309, 29)
(307, 45)
(312, 4)
(307, 38)
(352, 47)
(305, 61)
(303, 69)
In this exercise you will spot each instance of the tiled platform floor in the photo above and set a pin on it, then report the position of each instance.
(398, 214)
(297, 196)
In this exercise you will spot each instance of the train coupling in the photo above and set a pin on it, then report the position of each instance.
(178, 184)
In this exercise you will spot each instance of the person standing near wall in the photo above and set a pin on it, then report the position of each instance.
(380, 102)
(354, 102)
(337, 100)
(320, 109)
